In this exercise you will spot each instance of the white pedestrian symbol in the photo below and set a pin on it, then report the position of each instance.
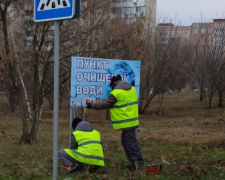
(52, 4)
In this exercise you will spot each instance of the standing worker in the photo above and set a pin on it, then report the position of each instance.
(86, 147)
(123, 105)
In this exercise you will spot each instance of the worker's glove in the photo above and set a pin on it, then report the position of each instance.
(89, 106)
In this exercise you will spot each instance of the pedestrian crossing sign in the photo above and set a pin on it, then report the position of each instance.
(52, 10)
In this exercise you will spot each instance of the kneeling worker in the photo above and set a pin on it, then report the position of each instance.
(86, 147)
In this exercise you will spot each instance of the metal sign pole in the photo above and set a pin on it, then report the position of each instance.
(56, 99)
(43, 11)
(71, 119)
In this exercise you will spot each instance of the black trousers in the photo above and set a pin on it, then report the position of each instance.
(131, 147)
(67, 160)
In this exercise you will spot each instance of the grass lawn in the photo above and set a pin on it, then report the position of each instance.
(185, 134)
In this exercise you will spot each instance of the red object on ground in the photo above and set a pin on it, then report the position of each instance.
(153, 169)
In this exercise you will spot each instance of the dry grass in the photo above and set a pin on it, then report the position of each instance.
(184, 130)
(184, 120)
(185, 133)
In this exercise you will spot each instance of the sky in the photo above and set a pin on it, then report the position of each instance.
(186, 12)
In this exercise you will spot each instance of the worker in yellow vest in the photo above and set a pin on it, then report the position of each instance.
(86, 147)
(123, 106)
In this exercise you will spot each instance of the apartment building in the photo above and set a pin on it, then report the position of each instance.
(130, 10)
(202, 34)
(20, 22)
(209, 34)
(198, 34)
(219, 34)
(167, 31)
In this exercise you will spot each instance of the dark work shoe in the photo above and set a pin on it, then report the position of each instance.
(73, 169)
(130, 167)
(139, 165)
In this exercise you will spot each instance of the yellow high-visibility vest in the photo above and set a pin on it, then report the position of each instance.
(89, 149)
(124, 113)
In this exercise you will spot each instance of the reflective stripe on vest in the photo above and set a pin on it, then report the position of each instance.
(89, 149)
(124, 113)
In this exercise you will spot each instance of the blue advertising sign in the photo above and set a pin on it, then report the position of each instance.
(51, 10)
(90, 78)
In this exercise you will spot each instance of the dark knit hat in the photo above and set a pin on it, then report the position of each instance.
(114, 79)
(75, 122)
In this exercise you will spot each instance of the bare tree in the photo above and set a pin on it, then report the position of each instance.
(18, 60)
(7, 60)
(28, 53)
(207, 64)
(162, 61)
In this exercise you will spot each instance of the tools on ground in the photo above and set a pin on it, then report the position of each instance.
(153, 169)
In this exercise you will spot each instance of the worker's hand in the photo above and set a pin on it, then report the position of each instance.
(89, 106)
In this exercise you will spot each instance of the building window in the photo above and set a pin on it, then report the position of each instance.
(196, 31)
(18, 44)
(18, 13)
(28, 43)
(203, 30)
(28, 33)
(139, 9)
(28, 23)
(132, 10)
(28, 13)
(126, 10)
(116, 10)
(10, 14)
(50, 35)
(17, 24)
(49, 45)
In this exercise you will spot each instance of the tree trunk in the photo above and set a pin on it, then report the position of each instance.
(25, 138)
(12, 99)
(34, 103)
(201, 95)
(220, 99)
(210, 100)
(50, 101)
(30, 137)
(21, 80)
(42, 109)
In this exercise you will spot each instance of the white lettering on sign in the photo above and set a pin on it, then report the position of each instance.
(92, 64)
(94, 77)
(89, 90)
